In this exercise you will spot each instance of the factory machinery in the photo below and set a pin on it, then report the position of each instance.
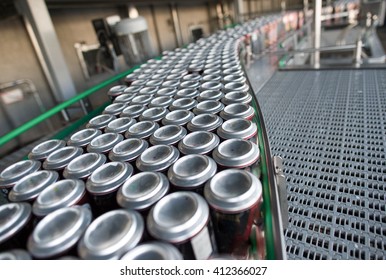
(179, 165)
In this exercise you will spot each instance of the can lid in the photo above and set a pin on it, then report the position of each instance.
(120, 125)
(83, 137)
(236, 153)
(61, 157)
(30, 186)
(198, 142)
(133, 88)
(142, 129)
(212, 71)
(16, 171)
(63, 193)
(187, 93)
(142, 99)
(82, 166)
(101, 121)
(124, 98)
(212, 77)
(172, 81)
(15, 254)
(208, 107)
(233, 190)
(139, 82)
(133, 111)
(114, 109)
(58, 231)
(211, 85)
(157, 158)
(210, 95)
(153, 250)
(234, 78)
(178, 217)
(237, 110)
(152, 83)
(131, 77)
(148, 90)
(189, 84)
(166, 91)
(128, 150)
(108, 177)
(104, 142)
(13, 217)
(178, 117)
(168, 135)
(111, 235)
(42, 150)
(116, 90)
(236, 86)
(192, 77)
(154, 114)
(142, 190)
(236, 97)
(161, 101)
(184, 103)
(205, 122)
(237, 129)
(191, 171)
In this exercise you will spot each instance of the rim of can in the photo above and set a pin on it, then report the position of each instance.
(234, 78)
(139, 82)
(16, 171)
(124, 98)
(164, 220)
(237, 128)
(142, 99)
(179, 117)
(100, 121)
(82, 166)
(187, 93)
(233, 190)
(133, 111)
(212, 71)
(128, 150)
(184, 103)
(132, 88)
(116, 90)
(198, 142)
(148, 90)
(211, 85)
(114, 109)
(237, 153)
(142, 129)
(166, 91)
(236, 86)
(16, 216)
(189, 84)
(98, 242)
(161, 101)
(71, 222)
(208, 107)
(210, 95)
(108, 177)
(61, 194)
(15, 254)
(191, 171)
(142, 190)
(168, 134)
(82, 137)
(153, 114)
(192, 77)
(236, 97)
(206, 122)
(30, 186)
(61, 157)
(237, 110)
(172, 81)
(157, 158)
(42, 150)
(104, 142)
(120, 125)
(153, 83)
(153, 250)
(212, 77)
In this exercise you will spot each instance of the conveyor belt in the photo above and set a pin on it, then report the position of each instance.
(330, 129)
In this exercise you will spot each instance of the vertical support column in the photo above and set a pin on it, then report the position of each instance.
(317, 32)
(239, 11)
(43, 36)
(156, 29)
(176, 24)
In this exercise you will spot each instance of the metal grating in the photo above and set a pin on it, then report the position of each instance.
(330, 129)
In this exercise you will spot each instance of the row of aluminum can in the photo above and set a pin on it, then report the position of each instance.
(169, 170)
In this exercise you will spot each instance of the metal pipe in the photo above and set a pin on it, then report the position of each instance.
(28, 125)
(317, 31)
(176, 24)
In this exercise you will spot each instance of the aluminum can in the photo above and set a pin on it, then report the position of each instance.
(42, 150)
(141, 99)
(236, 86)
(234, 197)
(172, 81)
(142, 130)
(120, 125)
(168, 135)
(139, 82)
(148, 91)
(124, 98)
(238, 110)
(208, 107)
(166, 91)
(234, 78)
(100, 122)
(153, 250)
(15, 254)
(133, 111)
(13, 173)
(187, 93)
(192, 77)
(132, 89)
(161, 101)
(183, 104)
(182, 219)
(102, 144)
(155, 114)
(115, 91)
(152, 83)
(15, 225)
(211, 78)
(157, 158)
(30, 186)
(128, 150)
(178, 117)
(83, 137)
(64, 193)
(114, 109)
(82, 166)
(58, 233)
(238, 129)
(236, 97)
(111, 235)
(130, 78)
(205, 122)
(212, 85)
(60, 158)
(198, 142)
(141, 191)
(210, 95)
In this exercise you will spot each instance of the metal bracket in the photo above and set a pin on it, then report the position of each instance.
(282, 188)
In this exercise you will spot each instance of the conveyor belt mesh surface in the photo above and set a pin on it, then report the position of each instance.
(330, 129)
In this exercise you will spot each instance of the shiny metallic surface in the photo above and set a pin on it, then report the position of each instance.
(208, 107)
(142, 99)
(238, 110)
(104, 143)
(116, 91)
(124, 98)
(58, 231)
(236, 86)
(168, 135)
(114, 109)
(64, 193)
(83, 137)
(82, 166)
(143, 190)
(30, 186)
(111, 235)
(142, 129)
(236, 97)
(157, 158)
(211, 85)
(178, 117)
(120, 125)
(59, 159)
(237, 129)
(42, 150)
(13, 217)
(100, 122)
(153, 250)
(210, 95)
(187, 93)
(16, 171)
(183, 104)
(205, 122)
(198, 142)
(166, 91)
(128, 150)
(154, 114)
(15, 254)
(133, 111)
(161, 101)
